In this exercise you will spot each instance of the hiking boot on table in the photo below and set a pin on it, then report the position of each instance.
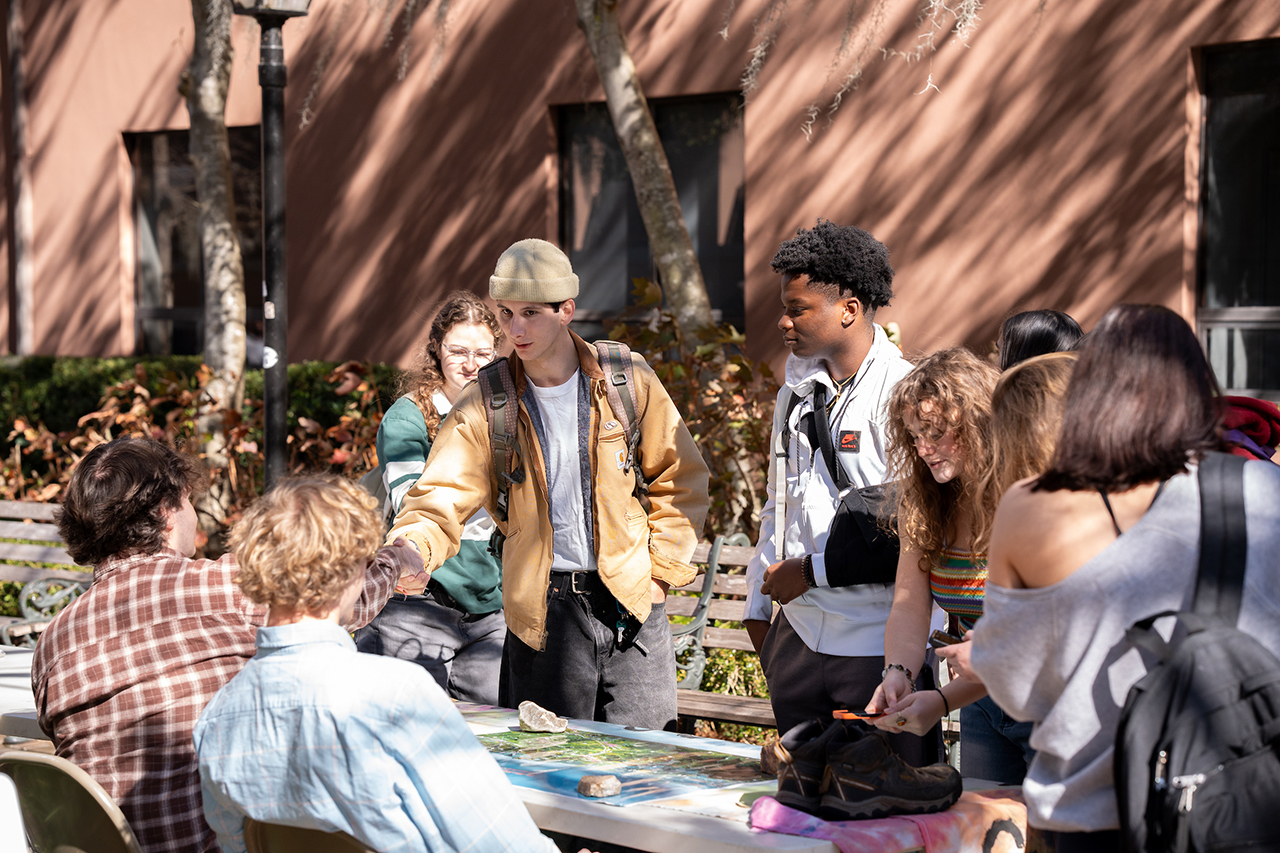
(802, 760)
(864, 779)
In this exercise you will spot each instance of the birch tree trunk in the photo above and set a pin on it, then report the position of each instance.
(669, 240)
(205, 87)
(22, 205)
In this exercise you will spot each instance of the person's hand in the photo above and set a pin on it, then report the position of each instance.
(895, 686)
(915, 714)
(413, 574)
(658, 590)
(957, 658)
(784, 582)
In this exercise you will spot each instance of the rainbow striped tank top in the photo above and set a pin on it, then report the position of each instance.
(957, 580)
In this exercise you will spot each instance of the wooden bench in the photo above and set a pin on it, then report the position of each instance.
(46, 589)
(720, 597)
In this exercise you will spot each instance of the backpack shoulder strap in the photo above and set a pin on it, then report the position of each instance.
(838, 474)
(1224, 544)
(620, 388)
(615, 361)
(498, 389)
(784, 443)
(781, 451)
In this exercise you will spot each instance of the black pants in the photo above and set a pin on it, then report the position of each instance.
(804, 685)
(584, 672)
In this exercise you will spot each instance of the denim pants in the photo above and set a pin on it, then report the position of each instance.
(584, 672)
(463, 652)
(993, 746)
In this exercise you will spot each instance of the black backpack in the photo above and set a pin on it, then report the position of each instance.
(1197, 763)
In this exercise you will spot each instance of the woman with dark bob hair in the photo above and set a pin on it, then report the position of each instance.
(1107, 536)
(1033, 333)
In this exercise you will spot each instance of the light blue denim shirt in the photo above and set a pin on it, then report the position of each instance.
(314, 734)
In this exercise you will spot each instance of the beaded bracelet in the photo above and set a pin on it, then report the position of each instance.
(806, 570)
(885, 673)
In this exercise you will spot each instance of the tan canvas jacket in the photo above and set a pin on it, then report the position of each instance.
(631, 546)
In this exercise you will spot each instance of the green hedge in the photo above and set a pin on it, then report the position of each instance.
(57, 391)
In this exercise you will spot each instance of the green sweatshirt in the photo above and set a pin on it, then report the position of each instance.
(474, 576)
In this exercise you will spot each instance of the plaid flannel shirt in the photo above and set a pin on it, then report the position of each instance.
(121, 676)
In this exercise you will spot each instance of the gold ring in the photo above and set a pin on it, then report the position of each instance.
(901, 721)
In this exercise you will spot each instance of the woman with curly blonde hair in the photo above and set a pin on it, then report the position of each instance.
(946, 422)
(455, 630)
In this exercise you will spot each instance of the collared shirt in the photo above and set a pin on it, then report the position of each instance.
(314, 734)
(847, 621)
(122, 674)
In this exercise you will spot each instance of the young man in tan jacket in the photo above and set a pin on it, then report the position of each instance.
(586, 566)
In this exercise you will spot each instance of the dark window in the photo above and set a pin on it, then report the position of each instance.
(1239, 264)
(168, 273)
(600, 221)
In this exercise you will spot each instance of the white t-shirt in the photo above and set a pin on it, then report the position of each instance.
(558, 406)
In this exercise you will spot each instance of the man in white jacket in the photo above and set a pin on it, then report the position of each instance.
(825, 648)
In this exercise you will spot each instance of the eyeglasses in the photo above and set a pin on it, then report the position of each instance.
(483, 356)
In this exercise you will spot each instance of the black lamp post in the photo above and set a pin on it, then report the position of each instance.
(271, 15)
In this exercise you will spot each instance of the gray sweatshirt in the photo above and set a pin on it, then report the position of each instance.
(1057, 655)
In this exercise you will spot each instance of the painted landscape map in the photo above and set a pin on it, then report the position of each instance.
(651, 765)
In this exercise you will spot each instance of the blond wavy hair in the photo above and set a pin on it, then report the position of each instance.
(301, 544)
(957, 384)
(1026, 419)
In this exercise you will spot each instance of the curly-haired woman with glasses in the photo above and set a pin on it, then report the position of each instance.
(455, 630)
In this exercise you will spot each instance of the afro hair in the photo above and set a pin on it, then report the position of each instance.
(840, 255)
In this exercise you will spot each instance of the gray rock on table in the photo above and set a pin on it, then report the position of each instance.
(534, 718)
(599, 786)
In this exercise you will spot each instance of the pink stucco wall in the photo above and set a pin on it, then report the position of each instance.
(1046, 169)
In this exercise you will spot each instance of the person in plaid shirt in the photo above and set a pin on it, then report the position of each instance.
(122, 674)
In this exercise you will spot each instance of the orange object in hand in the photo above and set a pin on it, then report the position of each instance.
(850, 715)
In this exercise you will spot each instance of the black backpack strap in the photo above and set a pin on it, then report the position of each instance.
(502, 410)
(1224, 543)
(838, 473)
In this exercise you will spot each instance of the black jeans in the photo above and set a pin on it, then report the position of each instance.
(463, 652)
(806, 685)
(584, 672)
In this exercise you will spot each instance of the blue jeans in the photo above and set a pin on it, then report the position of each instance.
(993, 746)
(463, 652)
(584, 672)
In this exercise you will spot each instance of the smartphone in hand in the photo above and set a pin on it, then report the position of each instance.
(938, 639)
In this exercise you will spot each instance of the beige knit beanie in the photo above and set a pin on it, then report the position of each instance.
(533, 271)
